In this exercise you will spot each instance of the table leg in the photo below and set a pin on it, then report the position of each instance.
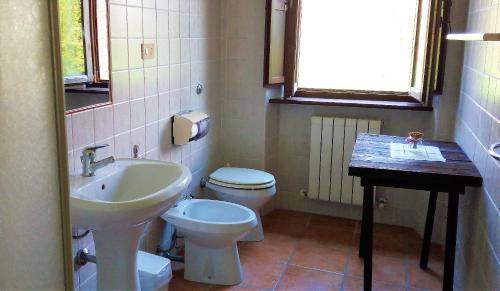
(362, 234)
(429, 223)
(367, 239)
(451, 237)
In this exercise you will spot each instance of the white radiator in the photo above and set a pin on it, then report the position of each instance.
(332, 142)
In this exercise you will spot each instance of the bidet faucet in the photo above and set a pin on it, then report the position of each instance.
(89, 165)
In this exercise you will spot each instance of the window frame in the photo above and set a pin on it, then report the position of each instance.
(94, 36)
(433, 68)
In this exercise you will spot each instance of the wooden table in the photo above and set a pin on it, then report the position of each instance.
(372, 162)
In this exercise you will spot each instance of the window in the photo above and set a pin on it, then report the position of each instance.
(386, 50)
(84, 41)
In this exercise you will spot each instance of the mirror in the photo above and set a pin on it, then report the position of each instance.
(84, 26)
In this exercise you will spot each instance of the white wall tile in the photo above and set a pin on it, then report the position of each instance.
(103, 123)
(118, 21)
(151, 104)
(173, 5)
(83, 128)
(134, 15)
(120, 88)
(137, 113)
(123, 145)
(174, 24)
(175, 51)
(162, 23)
(184, 25)
(184, 6)
(152, 132)
(149, 3)
(175, 77)
(121, 116)
(185, 50)
(162, 4)
(119, 57)
(150, 81)
(136, 84)
(149, 21)
(163, 52)
(163, 79)
(164, 105)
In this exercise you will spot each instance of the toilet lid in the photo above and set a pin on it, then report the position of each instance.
(240, 176)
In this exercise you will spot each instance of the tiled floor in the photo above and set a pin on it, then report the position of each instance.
(310, 252)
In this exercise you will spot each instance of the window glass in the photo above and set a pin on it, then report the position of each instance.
(362, 45)
(72, 44)
(102, 39)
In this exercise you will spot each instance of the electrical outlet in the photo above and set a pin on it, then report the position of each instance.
(148, 51)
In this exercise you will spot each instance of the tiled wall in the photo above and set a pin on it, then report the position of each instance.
(146, 93)
(249, 122)
(477, 127)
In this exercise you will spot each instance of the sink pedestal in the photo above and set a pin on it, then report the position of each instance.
(116, 253)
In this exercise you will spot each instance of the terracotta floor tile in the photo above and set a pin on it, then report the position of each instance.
(275, 247)
(301, 279)
(240, 287)
(385, 269)
(415, 247)
(430, 279)
(290, 227)
(287, 215)
(179, 284)
(331, 239)
(354, 284)
(389, 229)
(389, 245)
(330, 222)
(320, 258)
(261, 273)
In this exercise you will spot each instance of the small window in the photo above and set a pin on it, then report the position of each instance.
(384, 50)
(84, 41)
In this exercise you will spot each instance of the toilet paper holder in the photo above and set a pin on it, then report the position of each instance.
(188, 126)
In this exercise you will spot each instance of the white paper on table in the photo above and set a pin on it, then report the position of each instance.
(421, 153)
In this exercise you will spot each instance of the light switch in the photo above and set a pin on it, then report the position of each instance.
(148, 51)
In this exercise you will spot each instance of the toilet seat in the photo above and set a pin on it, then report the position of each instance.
(242, 178)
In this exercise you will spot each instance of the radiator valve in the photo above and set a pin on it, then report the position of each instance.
(381, 202)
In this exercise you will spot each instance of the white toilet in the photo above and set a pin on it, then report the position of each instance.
(211, 229)
(247, 187)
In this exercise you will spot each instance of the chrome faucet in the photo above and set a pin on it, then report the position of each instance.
(89, 165)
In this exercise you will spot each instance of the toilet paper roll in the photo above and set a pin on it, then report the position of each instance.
(194, 130)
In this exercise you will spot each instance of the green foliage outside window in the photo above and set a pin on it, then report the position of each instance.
(72, 44)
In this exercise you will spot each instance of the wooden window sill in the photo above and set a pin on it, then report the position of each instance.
(399, 105)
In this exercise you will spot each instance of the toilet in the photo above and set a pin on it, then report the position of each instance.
(247, 187)
(211, 229)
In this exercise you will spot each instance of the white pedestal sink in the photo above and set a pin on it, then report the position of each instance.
(116, 204)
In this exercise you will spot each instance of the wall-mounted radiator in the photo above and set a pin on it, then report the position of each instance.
(332, 142)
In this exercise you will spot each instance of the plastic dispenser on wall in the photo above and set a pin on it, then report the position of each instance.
(188, 126)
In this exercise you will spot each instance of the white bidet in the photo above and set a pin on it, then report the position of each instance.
(211, 229)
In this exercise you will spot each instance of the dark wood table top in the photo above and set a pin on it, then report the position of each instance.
(371, 157)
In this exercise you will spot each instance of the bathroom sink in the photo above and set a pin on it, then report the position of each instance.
(126, 193)
(116, 205)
